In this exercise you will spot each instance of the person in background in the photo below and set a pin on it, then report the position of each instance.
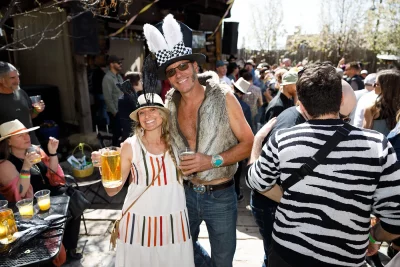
(249, 66)
(253, 99)
(240, 89)
(232, 72)
(369, 82)
(112, 93)
(20, 178)
(221, 71)
(381, 116)
(363, 74)
(14, 102)
(286, 63)
(352, 72)
(127, 104)
(285, 98)
(232, 59)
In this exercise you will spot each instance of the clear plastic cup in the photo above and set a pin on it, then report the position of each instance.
(25, 208)
(35, 149)
(3, 204)
(36, 101)
(186, 152)
(43, 199)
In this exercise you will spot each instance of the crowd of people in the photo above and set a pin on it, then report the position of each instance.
(317, 144)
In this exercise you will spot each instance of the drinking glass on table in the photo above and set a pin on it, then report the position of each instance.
(25, 208)
(7, 226)
(110, 167)
(186, 152)
(35, 149)
(36, 101)
(3, 204)
(43, 199)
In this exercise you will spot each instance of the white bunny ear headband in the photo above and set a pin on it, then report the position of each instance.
(169, 48)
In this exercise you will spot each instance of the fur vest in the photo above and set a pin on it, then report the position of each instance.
(214, 134)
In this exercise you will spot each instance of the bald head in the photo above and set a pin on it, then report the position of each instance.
(349, 99)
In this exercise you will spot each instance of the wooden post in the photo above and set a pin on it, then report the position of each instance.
(82, 95)
(218, 43)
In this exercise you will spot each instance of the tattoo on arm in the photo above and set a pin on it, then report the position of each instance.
(21, 188)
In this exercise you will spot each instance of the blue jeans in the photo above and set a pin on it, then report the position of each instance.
(219, 211)
(263, 210)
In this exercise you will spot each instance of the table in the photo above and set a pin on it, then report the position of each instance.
(40, 250)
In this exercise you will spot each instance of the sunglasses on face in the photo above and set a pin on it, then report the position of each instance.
(376, 84)
(181, 67)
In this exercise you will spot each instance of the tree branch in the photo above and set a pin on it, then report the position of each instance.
(8, 12)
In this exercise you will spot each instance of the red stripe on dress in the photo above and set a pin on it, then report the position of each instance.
(165, 174)
(149, 232)
(152, 169)
(159, 169)
(183, 229)
(161, 237)
(155, 231)
(127, 225)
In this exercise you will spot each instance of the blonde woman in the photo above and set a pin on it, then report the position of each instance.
(155, 230)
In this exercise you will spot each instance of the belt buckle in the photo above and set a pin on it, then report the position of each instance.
(200, 188)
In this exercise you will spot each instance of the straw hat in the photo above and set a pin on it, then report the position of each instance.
(147, 101)
(242, 85)
(14, 127)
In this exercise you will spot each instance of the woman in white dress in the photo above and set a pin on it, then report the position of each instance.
(155, 230)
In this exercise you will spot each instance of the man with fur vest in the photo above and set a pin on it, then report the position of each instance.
(207, 118)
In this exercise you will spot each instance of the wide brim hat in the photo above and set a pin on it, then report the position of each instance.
(14, 127)
(148, 101)
(242, 85)
(170, 41)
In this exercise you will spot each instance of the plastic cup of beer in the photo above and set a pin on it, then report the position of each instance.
(3, 204)
(7, 226)
(110, 167)
(186, 152)
(35, 149)
(43, 199)
(25, 208)
(36, 101)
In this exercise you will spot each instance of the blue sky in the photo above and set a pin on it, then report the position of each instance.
(302, 13)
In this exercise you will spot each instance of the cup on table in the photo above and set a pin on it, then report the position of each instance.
(35, 149)
(110, 167)
(36, 101)
(3, 204)
(7, 226)
(186, 152)
(25, 208)
(43, 199)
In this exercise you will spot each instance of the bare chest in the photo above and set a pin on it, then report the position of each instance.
(187, 119)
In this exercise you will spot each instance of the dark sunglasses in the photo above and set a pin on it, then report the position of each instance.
(181, 67)
(344, 118)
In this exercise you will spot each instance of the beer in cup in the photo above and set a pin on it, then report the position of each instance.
(7, 226)
(43, 199)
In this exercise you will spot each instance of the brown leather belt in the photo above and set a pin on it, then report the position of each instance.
(201, 188)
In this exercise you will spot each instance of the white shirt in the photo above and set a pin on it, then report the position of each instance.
(225, 80)
(365, 101)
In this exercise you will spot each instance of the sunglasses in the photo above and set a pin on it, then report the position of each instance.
(181, 67)
(344, 118)
(376, 84)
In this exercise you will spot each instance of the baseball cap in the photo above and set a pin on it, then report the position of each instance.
(289, 77)
(364, 72)
(114, 59)
(220, 63)
(370, 79)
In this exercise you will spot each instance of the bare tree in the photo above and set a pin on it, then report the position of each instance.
(266, 18)
(100, 8)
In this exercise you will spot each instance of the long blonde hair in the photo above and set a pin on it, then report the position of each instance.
(165, 135)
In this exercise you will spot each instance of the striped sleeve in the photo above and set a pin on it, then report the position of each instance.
(264, 172)
(386, 199)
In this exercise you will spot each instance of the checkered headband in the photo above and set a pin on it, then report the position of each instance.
(178, 50)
